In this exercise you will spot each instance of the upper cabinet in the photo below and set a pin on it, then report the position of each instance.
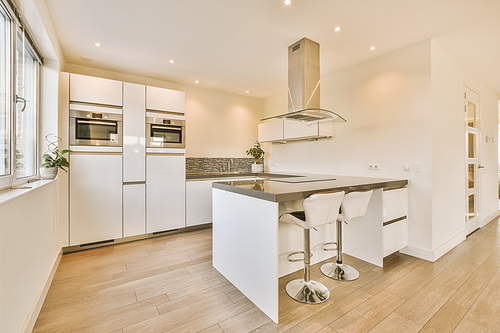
(161, 99)
(95, 90)
(271, 131)
(291, 130)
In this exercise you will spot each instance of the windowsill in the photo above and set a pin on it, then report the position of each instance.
(20, 190)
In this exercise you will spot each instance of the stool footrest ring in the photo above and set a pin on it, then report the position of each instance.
(326, 248)
(290, 259)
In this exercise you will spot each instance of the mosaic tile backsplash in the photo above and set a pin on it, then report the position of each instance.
(197, 165)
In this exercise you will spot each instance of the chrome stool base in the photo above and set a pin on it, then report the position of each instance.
(340, 272)
(311, 292)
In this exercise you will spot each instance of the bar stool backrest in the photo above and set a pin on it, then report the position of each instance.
(354, 205)
(322, 208)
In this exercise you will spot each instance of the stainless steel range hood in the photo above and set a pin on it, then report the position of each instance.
(303, 86)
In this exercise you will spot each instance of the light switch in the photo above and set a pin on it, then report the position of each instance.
(416, 167)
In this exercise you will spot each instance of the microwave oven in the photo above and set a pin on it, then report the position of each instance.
(165, 133)
(88, 128)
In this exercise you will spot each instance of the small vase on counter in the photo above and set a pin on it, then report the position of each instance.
(48, 173)
(257, 168)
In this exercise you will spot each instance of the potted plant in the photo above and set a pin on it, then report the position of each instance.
(53, 159)
(257, 153)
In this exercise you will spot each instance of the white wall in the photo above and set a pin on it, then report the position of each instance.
(402, 108)
(29, 248)
(218, 124)
(448, 149)
(387, 104)
(30, 239)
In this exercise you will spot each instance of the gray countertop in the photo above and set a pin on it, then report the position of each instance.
(222, 175)
(298, 186)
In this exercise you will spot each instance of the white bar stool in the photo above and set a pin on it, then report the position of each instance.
(353, 206)
(319, 209)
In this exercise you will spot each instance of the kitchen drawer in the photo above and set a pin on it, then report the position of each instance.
(395, 236)
(395, 203)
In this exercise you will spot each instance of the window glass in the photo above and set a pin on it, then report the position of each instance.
(4, 95)
(26, 110)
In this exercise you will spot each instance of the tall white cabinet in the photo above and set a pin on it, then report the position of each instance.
(134, 159)
(95, 197)
(117, 192)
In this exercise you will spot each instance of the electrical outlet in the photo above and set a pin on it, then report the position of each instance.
(273, 164)
(373, 166)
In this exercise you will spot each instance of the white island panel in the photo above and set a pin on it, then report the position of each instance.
(245, 247)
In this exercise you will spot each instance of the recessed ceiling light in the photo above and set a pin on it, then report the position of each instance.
(337, 29)
(248, 92)
(372, 48)
(97, 44)
(287, 2)
(171, 61)
(196, 81)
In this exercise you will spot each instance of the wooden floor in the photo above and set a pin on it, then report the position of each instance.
(168, 284)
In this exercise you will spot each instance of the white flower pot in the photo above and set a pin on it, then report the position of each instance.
(48, 173)
(257, 168)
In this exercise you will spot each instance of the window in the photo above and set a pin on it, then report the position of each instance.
(5, 79)
(19, 83)
(26, 110)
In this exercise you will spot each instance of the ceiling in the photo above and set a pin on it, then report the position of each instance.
(238, 46)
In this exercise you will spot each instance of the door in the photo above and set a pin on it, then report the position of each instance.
(165, 192)
(95, 197)
(472, 157)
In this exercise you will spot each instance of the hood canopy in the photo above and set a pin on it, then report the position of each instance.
(304, 84)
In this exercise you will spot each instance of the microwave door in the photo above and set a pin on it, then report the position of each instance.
(96, 130)
(166, 134)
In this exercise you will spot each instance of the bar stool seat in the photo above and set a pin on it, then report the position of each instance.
(319, 209)
(353, 206)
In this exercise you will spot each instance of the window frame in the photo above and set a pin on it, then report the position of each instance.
(15, 26)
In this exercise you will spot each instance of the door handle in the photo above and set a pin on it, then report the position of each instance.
(480, 166)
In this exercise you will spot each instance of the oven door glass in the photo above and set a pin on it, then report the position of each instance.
(161, 135)
(102, 130)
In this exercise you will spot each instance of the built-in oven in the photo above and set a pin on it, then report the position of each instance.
(95, 128)
(165, 133)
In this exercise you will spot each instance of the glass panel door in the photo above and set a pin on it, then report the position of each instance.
(472, 142)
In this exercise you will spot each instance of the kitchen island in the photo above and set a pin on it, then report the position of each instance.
(250, 246)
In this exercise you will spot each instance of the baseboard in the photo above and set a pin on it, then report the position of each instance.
(29, 324)
(418, 252)
(446, 247)
(487, 219)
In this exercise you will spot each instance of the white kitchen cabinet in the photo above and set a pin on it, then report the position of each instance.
(161, 99)
(95, 197)
(271, 130)
(290, 130)
(165, 192)
(94, 90)
(198, 202)
(134, 132)
(293, 129)
(395, 211)
(134, 209)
